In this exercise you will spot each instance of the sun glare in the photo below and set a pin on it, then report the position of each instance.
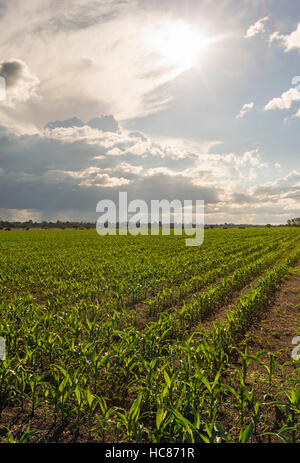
(180, 46)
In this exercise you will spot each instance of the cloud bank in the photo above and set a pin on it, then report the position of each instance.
(65, 171)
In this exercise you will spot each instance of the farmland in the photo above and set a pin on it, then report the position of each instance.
(142, 339)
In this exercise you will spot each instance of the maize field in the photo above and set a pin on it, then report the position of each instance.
(143, 339)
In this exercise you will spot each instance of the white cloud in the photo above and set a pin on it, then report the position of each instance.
(123, 142)
(290, 41)
(253, 159)
(257, 28)
(89, 177)
(161, 171)
(129, 168)
(92, 57)
(245, 109)
(84, 134)
(285, 101)
(278, 187)
(297, 113)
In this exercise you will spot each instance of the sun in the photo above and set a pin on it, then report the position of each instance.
(179, 45)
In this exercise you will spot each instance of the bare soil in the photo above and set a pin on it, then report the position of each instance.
(280, 322)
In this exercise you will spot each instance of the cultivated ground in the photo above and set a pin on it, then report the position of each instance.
(143, 339)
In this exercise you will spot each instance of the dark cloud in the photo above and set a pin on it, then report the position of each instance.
(241, 198)
(36, 154)
(49, 175)
(37, 192)
(54, 175)
(12, 71)
(73, 122)
(161, 186)
(104, 123)
(21, 83)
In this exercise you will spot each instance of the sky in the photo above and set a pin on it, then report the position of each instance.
(163, 99)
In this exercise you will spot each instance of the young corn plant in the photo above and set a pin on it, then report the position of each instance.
(35, 381)
(130, 420)
(104, 422)
(61, 392)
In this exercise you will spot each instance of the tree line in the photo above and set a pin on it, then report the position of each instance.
(294, 222)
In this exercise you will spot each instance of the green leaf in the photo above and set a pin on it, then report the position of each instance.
(160, 415)
(167, 379)
(134, 412)
(246, 434)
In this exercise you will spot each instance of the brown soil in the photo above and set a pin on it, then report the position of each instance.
(273, 333)
(280, 323)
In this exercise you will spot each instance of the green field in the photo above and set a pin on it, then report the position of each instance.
(142, 339)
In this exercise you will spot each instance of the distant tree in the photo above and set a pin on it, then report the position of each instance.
(294, 222)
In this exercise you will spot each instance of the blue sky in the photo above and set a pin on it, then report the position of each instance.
(163, 99)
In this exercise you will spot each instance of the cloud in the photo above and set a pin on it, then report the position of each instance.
(257, 28)
(129, 168)
(124, 143)
(83, 14)
(272, 202)
(71, 167)
(63, 172)
(297, 114)
(104, 123)
(245, 109)
(285, 101)
(281, 187)
(90, 177)
(252, 158)
(288, 42)
(73, 122)
(21, 83)
(91, 58)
